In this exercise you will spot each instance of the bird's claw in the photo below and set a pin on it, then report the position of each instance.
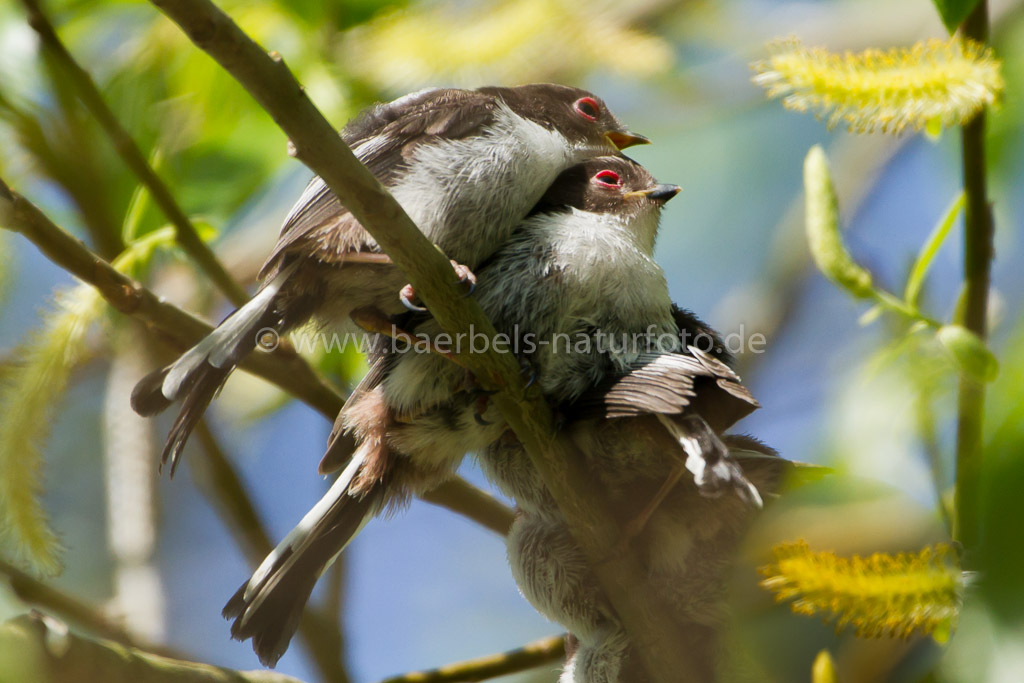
(527, 370)
(466, 277)
(406, 295)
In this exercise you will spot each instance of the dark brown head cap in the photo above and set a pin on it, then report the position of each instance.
(606, 185)
(579, 115)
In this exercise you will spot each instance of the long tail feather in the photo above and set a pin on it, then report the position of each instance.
(268, 606)
(206, 382)
(200, 372)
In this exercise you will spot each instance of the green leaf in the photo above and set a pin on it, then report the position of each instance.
(953, 12)
(931, 247)
(969, 351)
(871, 315)
(139, 203)
(137, 255)
(823, 236)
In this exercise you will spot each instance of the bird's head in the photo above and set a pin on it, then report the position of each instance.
(615, 188)
(582, 117)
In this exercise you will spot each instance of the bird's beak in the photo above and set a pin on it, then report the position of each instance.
(622, 140)
(659, 193)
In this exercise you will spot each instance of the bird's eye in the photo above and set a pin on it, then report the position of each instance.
(587, 108)
(608, 179)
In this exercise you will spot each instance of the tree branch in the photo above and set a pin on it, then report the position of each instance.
(180, 329)
(319, 146)
(284, 368)
(979, 230)
(216, 476)
(529, 656)
(40, 649)
(31, 591)
(133, 158)
(463, 498)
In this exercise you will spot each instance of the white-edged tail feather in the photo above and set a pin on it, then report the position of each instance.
(709, 460)
(268, 607)
(221, 347)
(305, 531)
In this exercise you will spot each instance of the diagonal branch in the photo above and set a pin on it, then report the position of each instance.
(462, 498)
(319, 146)
(34, 592)
(283, 367)
(133, 158)
(218, 479)
(39, 648)
(529, 656)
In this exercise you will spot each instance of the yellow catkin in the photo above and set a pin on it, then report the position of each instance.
(936, 81)
(29, 395)
(27, 402)
(881, 595)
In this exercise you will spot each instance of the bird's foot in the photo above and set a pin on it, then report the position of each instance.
(407, 295)
(466, 278)
(528, 371)
(481, 398)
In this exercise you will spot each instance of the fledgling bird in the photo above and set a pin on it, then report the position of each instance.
(466, 165)
(687, 548)
(646, 392)
(413, 416)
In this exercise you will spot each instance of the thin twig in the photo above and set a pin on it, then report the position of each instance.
(180, 329)
(133, 158)
(34, 592)
(857, 163)
(529, 656)
(282, 367)
(979, 232)
(319, 146)
(924, 412)
(40, 649)
(463, 498)
(218, 479)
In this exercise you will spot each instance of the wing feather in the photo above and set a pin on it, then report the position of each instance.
(670, 384)
(384, 138)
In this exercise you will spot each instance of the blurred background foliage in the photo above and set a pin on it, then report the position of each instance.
(427, 587)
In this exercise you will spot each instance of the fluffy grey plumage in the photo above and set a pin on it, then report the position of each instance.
(412, 417)
(687, 546)
(466, 165)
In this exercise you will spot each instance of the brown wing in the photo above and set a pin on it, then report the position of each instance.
(669, 384)
(340, 444)
(384, 138)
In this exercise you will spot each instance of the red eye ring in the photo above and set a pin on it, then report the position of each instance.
(608, 178)
(588, 108)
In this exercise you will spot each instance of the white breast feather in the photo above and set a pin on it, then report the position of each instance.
(467, 195)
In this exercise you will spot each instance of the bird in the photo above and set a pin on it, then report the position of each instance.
(466, 165)
(687, 548)
(414, 416)
(644, 391)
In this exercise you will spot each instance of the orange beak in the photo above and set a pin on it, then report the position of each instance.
(623, 140)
